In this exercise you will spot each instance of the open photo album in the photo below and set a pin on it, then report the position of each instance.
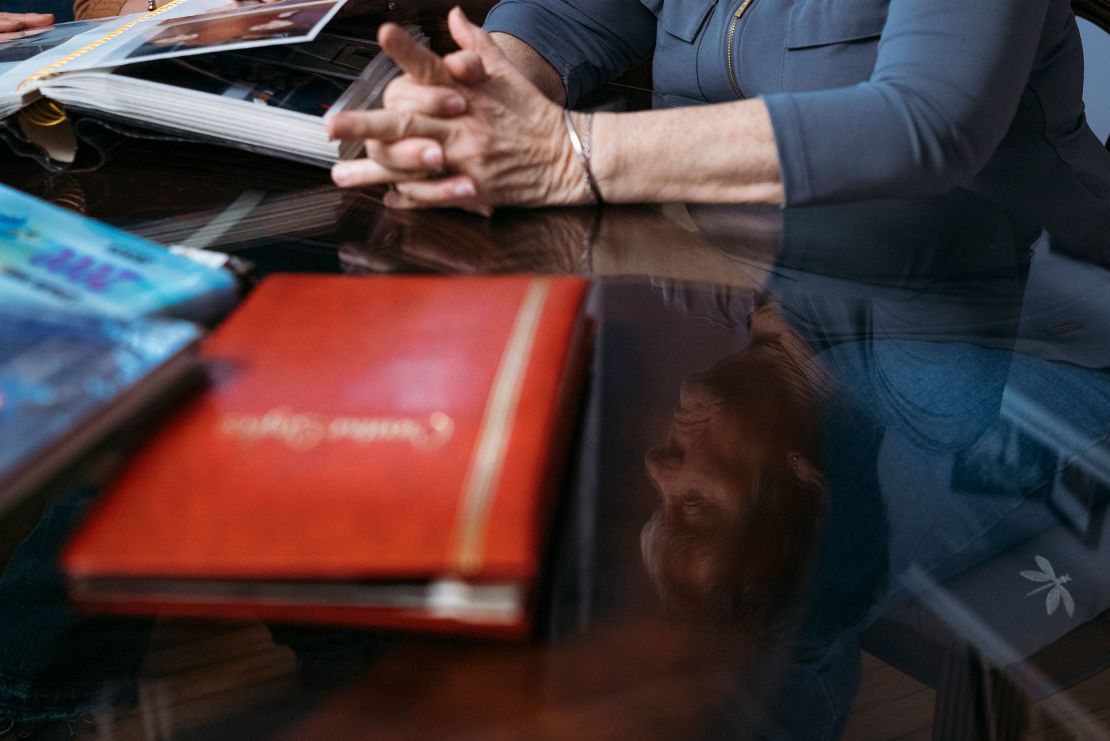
(259, 76)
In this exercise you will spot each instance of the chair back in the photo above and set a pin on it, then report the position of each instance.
(1096, 11)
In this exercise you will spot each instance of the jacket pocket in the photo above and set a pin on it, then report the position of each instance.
(823, 22)
(681, 18)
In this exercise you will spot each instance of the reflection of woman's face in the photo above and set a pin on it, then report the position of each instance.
(741, 500)
(721, 434)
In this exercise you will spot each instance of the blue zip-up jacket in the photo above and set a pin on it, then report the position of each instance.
(868, 98)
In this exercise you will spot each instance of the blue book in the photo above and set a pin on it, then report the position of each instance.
(51, 258)
(68, 381)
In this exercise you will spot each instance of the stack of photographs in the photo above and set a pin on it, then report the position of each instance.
(309, 78)
(263, 77)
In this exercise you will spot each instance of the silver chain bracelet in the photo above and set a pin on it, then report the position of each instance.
(583, 152)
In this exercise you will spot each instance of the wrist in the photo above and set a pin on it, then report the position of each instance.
(606, 157)
(579, 128)
(564, 188)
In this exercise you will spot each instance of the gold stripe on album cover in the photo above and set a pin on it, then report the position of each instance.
(496, 431)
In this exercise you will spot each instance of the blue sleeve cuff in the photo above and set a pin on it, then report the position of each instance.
(586, 41)
(791, 149)
(854, 143)
(543, 31)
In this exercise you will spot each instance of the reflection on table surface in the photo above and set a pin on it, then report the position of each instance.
(811, 435)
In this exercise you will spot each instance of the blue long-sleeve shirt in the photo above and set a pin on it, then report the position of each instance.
(867, 98)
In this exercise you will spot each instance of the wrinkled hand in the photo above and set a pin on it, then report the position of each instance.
(15, 22)
(469, 116)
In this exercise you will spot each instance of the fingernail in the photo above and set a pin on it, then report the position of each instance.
(455, 104)
(463, 190)
(390, 199)
(432, 157)
(341, 174)
(332, 127)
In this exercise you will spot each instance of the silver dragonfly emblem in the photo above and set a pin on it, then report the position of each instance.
(1055, 584)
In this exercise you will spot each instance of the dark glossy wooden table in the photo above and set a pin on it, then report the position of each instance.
(958, 388)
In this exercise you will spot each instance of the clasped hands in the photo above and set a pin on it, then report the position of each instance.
(465, 130)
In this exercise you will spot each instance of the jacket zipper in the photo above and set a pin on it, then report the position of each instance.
(744, 5)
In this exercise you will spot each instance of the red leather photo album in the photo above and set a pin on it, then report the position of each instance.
(378, 451)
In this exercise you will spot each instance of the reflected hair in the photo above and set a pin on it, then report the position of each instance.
(746, 578)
